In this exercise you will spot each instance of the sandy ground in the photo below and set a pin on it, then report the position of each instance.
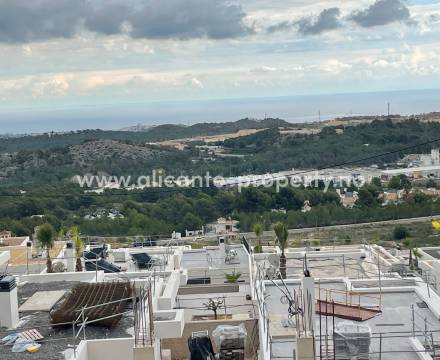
(18, 254)
(180, 144)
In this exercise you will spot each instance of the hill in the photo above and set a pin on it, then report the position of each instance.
(151, 134)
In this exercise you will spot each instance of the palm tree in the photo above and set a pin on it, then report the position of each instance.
(46, 238)
(409, 244)
(258, 230)
(282, 235)
(79, 247)
(233, 277)
(417, 255)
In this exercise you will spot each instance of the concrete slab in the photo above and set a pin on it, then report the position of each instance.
(42, 301)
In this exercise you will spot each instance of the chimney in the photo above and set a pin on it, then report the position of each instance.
(70, 257)
(8, 302)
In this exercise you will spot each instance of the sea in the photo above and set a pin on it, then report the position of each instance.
(297, 109)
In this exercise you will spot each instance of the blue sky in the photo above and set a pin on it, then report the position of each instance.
(61, 54)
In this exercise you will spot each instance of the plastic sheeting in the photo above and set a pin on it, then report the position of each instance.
(200, 348)
(20, 345)
(229, 337)
(352, 341)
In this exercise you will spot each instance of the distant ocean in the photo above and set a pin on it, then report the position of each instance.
(295, 109)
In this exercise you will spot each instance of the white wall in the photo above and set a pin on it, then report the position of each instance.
(168, 329)
(110, 349)
(168, 299)
(9, 309)
(85, 276)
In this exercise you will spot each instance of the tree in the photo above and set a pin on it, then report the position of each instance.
(258, 230)
(399, 182)
(409, 244)
(214, 305)
(46, 238)
(400, 233)
(368, 196)
(376, 182)
(79, 247)
(282, 235)
(431, 183)
(417, 255)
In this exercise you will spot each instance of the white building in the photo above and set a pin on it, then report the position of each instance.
(225, 226)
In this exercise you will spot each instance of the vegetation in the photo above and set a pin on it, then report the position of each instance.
(54, 140)
(399, 182)
(158, 213)
(400, 233)
(36, 186)
(268, 151)
(233, 277)
(282, 234)
(46, 239)
(214, 305)
(78, 246)
(258, 230)
(53, 158)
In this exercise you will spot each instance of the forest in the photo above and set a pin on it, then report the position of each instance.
(39, 182)
(159, 212)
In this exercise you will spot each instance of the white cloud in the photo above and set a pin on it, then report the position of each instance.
(197, 83)
(56, 86)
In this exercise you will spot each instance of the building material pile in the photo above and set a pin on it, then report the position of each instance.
(230, 341)
(104, 303)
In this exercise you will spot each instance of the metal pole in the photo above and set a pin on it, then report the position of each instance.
(333, 335)
(426, 331)
(27, 261)
(326, 326)
(380, 282)
(150, 313)
(412, 319)
(224, 305)
(320, 331)
(83, 323)
(380, 347)
(74, 338)
(343, 263)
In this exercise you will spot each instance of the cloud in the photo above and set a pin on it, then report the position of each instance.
(197, 83)
(55, 86)
(382, 12)
(184, 19)
(282, 26)
(328, 19)
(23, 21)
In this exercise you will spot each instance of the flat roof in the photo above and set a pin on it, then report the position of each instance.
(396, 316)
(434, 252)
(211, 257)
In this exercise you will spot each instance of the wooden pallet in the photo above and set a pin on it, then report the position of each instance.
(33, 335)
(350, 312)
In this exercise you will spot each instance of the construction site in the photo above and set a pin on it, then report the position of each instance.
(223, 302)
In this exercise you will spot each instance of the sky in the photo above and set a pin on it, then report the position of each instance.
(61, 56)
